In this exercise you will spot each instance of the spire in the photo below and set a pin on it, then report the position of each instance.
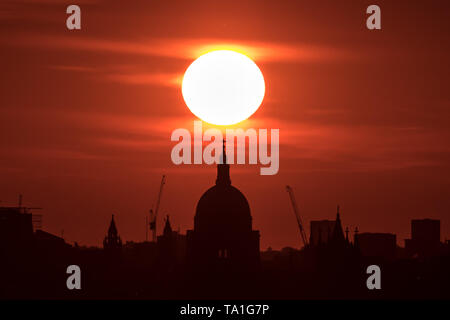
(112, 239)
(346, 234)
(223, 169)
(338, 233)
(224, 154)
(112, 227)
(167, 227)
(355, 238)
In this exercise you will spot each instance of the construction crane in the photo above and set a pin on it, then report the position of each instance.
(154, 213)
(297, 215)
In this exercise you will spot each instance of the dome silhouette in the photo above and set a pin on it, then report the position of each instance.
(223, 208)
(222, 238)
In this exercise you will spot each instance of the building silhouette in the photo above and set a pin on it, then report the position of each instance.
(425, 238)
(171, 245)
(222, 237)
(377, 245)
(330, 246)
(16, 227)
(320, 231)
(112, 240)
(328, 233)
(224, 249)
(337, 237)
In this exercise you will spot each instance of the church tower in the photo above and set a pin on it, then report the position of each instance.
(112, 239)
(222, 237)
(167, 228)
(337, 237)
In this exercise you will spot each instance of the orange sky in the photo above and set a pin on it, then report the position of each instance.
(86, 116)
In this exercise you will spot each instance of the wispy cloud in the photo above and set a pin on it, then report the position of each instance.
(125, 75)
(167, 79)
(187, 49)
(76, 68)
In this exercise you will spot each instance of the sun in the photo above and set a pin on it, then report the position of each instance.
(223, 87)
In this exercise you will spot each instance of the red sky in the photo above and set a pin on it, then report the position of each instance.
(86, 116)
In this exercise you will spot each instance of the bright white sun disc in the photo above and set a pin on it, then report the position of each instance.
(223, 87)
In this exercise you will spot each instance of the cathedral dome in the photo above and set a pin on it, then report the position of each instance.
(223, 238)
(223, 208)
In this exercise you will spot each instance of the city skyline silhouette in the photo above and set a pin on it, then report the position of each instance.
(220, 255)
(88, 177)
